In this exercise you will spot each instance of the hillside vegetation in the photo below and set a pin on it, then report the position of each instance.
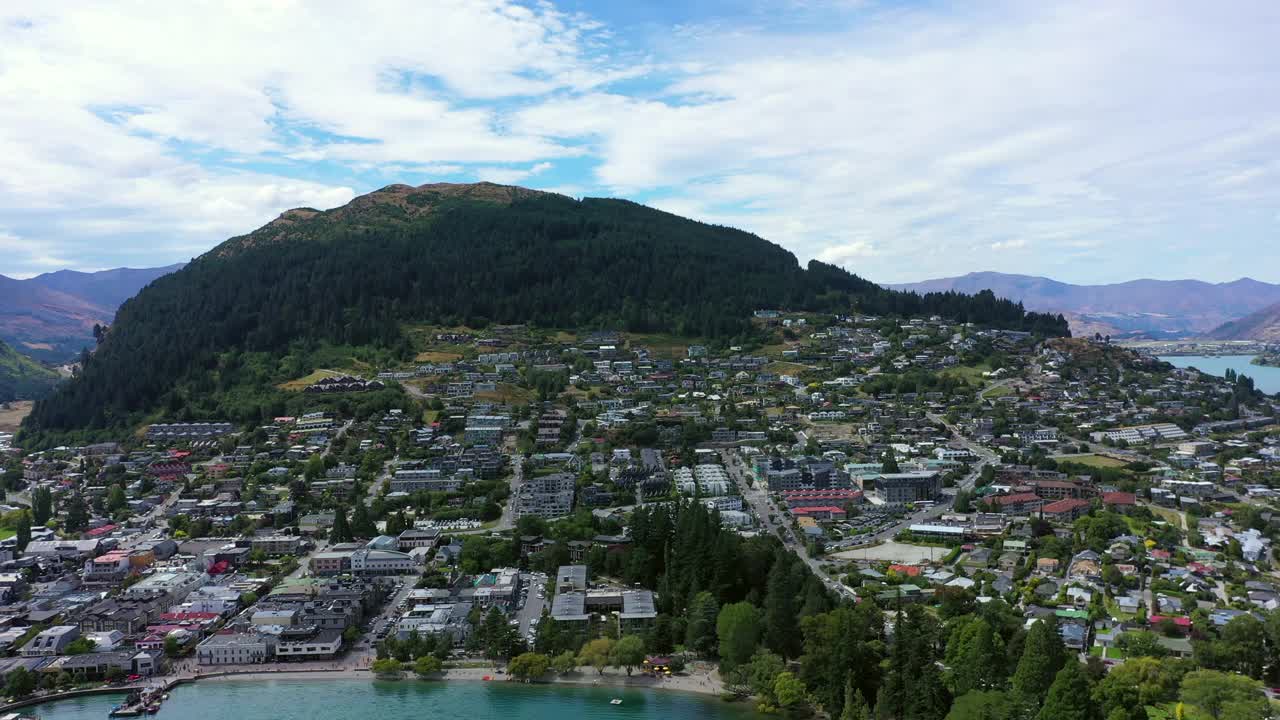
(456, 255)
(22, 378)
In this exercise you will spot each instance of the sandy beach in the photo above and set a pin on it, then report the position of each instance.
(701, 681)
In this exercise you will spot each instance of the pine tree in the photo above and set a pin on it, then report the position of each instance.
(855, 706)
(41, 505)
(1070, 696)
(362, 525)
(889, 463)
(1042, 657)
(781, 628)
(976, 656)
(77, 514)
(23, 529)
(341, 532)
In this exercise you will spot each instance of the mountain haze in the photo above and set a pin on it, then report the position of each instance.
(51, 317)
(453, 255)
(1138, 308)
(1262, 325)
(105, 288)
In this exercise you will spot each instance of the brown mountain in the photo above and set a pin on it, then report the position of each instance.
(1262, 325)
(51, 317)
(1138, 308)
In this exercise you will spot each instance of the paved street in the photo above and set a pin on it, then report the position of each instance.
(533, 605)
(757, 497)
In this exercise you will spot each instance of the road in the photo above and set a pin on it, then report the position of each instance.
(508, 519)
(390, 612)
(985, 455)
(757, 497)
(535, 601)
(762, 505)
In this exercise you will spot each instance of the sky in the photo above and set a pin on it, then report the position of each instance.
(1086, 141)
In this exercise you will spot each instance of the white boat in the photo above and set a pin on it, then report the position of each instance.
(616, 701)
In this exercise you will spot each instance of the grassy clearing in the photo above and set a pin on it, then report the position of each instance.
(12, 415)
(774, 350)
(663, 345)
(998, 391)
(301, 383)
(1173, 517)
(507, 393)
(438, 356)
(785, 368)
(1098, 461)
(971, 374)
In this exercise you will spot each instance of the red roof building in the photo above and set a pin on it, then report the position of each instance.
(1181, 622)
(820, 512)
(819, 498)
(1065, 510)
(1018, 503)
(1119, 499)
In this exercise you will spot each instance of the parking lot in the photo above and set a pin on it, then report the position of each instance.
(384, 623)
(533, 599)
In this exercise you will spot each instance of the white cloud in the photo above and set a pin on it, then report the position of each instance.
(28, 253)
(901, 142)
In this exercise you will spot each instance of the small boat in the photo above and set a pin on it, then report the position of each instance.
(616, 701)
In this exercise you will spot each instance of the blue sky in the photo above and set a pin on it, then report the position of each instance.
(1086, 141)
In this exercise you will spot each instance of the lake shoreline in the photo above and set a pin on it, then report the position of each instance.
(1266, 378)
(705, 684)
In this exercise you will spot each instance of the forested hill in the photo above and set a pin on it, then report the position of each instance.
(22, 378)
(459, 255)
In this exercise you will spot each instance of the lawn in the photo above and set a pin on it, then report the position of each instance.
(438, 356)
(785, 368)
(1098, 461)
(663, 345)
(11, 416)
(998, 391)
(970, 374)
(507, 393)
(302, 382)
(1173, 517)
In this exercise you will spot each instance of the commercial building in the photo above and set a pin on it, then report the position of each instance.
(51, 642)
(236, 649)
(901, 488)
(277, 545)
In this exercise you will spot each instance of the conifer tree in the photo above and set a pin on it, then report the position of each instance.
(1069, 697)
(1041, 659)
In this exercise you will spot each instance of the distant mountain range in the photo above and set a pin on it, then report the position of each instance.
(1159, 309)
(50, 317)
(1261, 325)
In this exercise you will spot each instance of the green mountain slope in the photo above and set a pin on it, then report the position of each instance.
(455, 254)
(22, 378)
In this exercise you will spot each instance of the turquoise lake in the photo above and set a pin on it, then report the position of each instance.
(1266, 379)
(408, 700)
